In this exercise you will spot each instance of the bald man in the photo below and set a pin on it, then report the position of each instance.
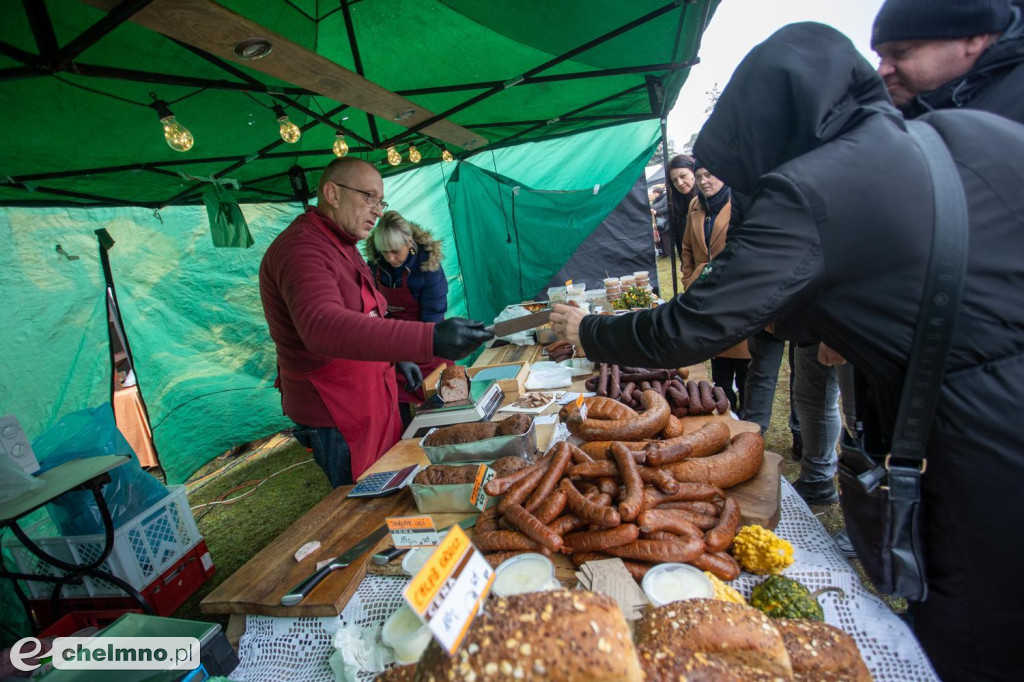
(336, 352)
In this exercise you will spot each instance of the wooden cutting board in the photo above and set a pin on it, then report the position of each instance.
(338, 523)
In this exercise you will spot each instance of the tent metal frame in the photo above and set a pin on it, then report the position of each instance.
(53, 59)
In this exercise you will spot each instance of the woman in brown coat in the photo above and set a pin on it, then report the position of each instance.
(707, 225)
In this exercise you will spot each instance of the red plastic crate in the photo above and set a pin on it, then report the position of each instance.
(70, 623)
(165, 594)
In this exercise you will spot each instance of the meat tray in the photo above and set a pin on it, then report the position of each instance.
(482, 451)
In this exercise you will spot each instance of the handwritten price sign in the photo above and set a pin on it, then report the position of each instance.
(412, 531)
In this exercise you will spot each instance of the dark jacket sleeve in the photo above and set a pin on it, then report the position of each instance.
(434, 296)
(770, 264)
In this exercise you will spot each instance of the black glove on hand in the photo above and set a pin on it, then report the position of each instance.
(411, 372)
(457, 337)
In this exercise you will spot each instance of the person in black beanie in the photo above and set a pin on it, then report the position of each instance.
(682, 189)
(944, 54)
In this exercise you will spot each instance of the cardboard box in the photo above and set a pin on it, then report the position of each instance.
(512, 386)
(430, 382)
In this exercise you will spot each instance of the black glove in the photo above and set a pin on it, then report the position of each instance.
(411, 372)
(457, 337)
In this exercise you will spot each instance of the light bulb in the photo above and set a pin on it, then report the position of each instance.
(394, 158)
(290, 132)
(340, 147)
(178, 137)
(414, 154)
(446, 156)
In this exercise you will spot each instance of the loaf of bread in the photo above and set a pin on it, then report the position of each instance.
(819, 651)
(454, 384)
(559, 636)
(461, 433)
(444, 474)
(516, 425)
(503, 466)
(680, 638)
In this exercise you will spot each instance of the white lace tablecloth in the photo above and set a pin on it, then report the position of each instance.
(275, 649)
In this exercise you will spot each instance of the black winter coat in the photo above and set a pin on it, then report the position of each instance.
(995, 83)
(838, 232)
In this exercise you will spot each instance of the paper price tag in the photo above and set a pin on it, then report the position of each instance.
(581, 405)
(479, 498)
(448, 590)
(412, 531)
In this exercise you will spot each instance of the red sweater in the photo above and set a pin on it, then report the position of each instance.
(311, 299)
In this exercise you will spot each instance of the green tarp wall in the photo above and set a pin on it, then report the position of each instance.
(204, 361)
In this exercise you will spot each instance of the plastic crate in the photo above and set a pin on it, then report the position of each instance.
(165, 594)
(70, 623)
(144, 548)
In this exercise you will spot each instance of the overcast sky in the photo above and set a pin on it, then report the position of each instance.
(739, 25)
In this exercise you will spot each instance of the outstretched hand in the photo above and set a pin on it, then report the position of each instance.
(565, 321)
(457, 337)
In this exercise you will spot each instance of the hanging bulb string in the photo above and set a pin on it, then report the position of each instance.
(265, 106)
(99, 92)
(191, 94)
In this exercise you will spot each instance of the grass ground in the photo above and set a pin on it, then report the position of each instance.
(243, 501)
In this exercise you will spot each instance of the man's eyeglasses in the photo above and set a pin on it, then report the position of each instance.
(371, 199)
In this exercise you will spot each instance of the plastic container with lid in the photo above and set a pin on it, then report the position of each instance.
(666, 583)
(406, 634)
(524, 573)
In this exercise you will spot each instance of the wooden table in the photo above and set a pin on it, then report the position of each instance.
(338, 523)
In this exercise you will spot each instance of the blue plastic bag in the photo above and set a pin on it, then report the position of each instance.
(90, 433)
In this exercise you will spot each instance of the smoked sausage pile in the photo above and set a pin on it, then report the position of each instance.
(627, 384)
(632, 500)
(560, 350)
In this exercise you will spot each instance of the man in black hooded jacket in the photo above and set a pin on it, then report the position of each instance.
(838, 233)
(947, 54)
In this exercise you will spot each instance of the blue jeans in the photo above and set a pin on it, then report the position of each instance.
(329, 450)
(815, 397)
(762, 378)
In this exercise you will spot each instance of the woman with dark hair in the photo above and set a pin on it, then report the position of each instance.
(682, 187)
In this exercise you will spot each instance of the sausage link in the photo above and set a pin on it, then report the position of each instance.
(719, 564)
(721, 535)
(578, 455)
(552, 507)
(645, 375)
(599, 540)
(487, 520)
(687, 491)
(559, 461)
(673, 429)
(518, 493)
(615, 388)
(646, 424)
(598, 449)
(497, 558)
(566, 524)
(632, 502)
(592, 469)
(531, 526)
(503, 541)
(696, 407)
(695, 506)
(721, 400)
(739, 462)
(707, 403)
(682, 550)
(653, 520)
(678, 395)
(705, 441)
(580, 558)
(590, 512)
(602, 380)
(660, 479)
(501, 484)
(608, 486)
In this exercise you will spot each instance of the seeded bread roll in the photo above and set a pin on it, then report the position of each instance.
(736, 635)
(662, 662)
(821, 652)
(560, 636)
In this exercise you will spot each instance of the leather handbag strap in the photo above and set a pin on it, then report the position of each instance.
(940, 301)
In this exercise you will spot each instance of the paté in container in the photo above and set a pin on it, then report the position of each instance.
(482, 451)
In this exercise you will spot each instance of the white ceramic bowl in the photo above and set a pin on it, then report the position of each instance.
(666, 583)
(529, 572)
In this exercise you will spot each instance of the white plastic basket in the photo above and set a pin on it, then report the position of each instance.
(144, 547)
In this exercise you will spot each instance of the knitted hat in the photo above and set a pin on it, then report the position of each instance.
(938, 19)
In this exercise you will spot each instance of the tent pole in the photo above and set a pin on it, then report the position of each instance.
(668, 194)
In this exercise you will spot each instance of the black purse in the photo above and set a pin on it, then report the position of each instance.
(881, 495)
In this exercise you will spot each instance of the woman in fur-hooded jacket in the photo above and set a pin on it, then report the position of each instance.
(405, 261)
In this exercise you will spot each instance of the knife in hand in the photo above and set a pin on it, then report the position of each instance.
(389, 554)
(518, 324)
(302, 590)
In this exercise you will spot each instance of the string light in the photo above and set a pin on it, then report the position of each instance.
(290, 132)
(394, 158)
(340, 147)
(179, 138)
(446, 155)
(414, 154)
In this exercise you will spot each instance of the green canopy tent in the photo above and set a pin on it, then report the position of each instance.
(538, 102)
